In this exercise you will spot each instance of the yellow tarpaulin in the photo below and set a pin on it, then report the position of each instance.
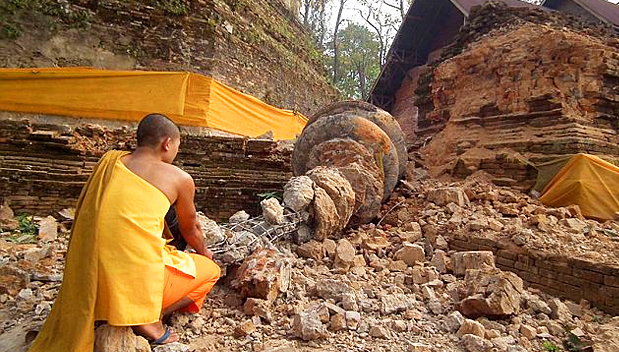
(589, 182)
(187, 98)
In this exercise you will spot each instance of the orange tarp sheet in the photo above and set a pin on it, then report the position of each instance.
(187, 98)
(588, 181)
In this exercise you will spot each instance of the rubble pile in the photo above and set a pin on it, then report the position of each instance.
(395, 284)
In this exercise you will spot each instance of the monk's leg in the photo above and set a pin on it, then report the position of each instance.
(178, 305)
(154, 332)
(207, 274)
(185, 293)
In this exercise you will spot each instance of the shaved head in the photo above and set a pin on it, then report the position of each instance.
(154, 128)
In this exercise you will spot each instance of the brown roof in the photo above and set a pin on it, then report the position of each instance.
(465, 5)
(602, 9)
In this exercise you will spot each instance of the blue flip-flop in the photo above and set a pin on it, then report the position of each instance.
(163, 338)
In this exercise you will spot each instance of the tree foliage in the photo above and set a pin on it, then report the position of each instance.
(358, 59)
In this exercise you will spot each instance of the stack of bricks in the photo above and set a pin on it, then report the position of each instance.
(43, 166)
(561, 276)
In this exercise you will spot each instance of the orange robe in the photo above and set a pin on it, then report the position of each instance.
(116, 259)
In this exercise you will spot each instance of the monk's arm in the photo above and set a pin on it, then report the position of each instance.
(187, 218)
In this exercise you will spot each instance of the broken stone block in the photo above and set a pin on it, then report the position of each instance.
(528, 331)
(410, 254)
(428, 293)
(474, 343)
(307, 326)
(422, 275)
(349, 302)
(34, 255)
(462, 261)
(441, 261)
(380, 332)
(325, 214)
(446, 195)
(419, 347)
(172, 347)
(539, 306)
(397, 266)
(559, 310)
(490, 293)
(272, 211)
(495, 225)
(332, 289)
(394, 303)
(339, 190)
(376, 242)
(264, 274)
(337, 322)
(398, 325)
(213, 234)
(303, 234)
(575, 309)
(244, 328)
(7, 218)
(453, 321)
(352, 320)
(312, 249)
(239, 217)
(329, 246)
(332, 308)
(13, 280)
(575, 225)
(413, 232)
(119, 338)
(492, 333)
(359, 261)
(48, 229)
(258, 307)
(344, 254)
(299, 193)
(471, 327)
(323, 313)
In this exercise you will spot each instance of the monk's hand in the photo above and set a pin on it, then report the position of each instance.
(208, 253)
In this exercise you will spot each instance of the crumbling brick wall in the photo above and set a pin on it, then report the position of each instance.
(560, 276)
(45, 163)
(518, 86)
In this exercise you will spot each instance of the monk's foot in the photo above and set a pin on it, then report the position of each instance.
(156, 333)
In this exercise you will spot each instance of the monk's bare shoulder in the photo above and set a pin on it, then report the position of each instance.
(177, 174)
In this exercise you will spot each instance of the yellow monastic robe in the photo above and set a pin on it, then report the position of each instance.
(115, 261)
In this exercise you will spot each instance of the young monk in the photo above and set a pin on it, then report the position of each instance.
(119, 268)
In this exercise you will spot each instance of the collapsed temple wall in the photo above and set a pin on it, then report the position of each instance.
(559, 275)
(518, 86)
(45, 161)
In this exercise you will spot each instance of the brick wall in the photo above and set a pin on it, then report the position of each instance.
(566, 277)
(44, 165)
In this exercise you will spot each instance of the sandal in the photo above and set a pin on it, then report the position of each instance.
(163, 338)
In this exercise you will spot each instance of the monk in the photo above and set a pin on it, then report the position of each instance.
(119, 267)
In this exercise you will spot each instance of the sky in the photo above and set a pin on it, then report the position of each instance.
(351, 13)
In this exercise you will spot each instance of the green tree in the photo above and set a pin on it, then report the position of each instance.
(359, 60)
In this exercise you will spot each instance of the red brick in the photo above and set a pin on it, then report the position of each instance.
(611, 280)
(588, 275)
